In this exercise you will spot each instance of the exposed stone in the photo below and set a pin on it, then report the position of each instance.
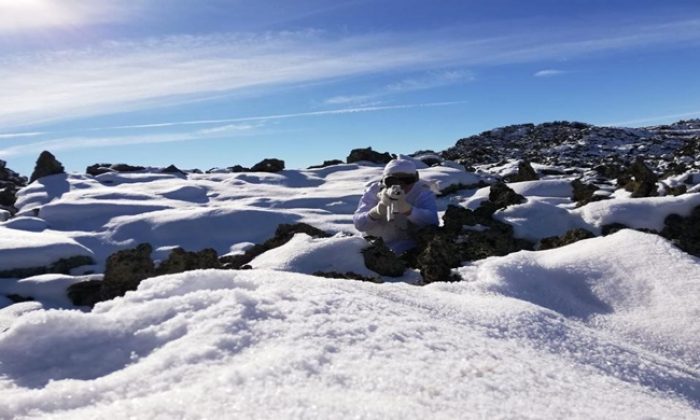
(639, 180)
(283, 234)
(101, 168)
(456, 217)
(172, 169)
(573, 235)
(684, 231)
(611, 228)
(497, 240)
(380, 259)
(46, 165)
(238, 169)
(438, 258)
(19, 298)
(348, 275)
(327, 163)
(180, 260)
(584, 193)
(502, 196)
(61, 266)
(85, 293)
(368, 155)
(125, 269)
(454, 188)
(525, 173)
(268, 165)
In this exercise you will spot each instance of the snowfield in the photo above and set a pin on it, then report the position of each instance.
(602, 328)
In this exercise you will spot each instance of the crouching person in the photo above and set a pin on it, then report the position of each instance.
(395, 207)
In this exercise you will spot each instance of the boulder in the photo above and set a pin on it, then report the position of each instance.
(525, 173)
(368, 155)
(380, 259)
(125, 269)
(584, 193)
(503, 196)
(172, 169)
(456, 217)
(327, 163)
(573, 235)
(46, 165)
(268, 165)
(61, 266)
(85, 293)
(684, 232)
(438, 258)
(180, 260)
(101, 168)
(639, 180)
(283, 234)
(347, 275)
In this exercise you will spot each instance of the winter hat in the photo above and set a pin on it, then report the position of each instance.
(400, 166)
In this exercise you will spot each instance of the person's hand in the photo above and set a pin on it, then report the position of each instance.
(379, 212)
(401, 205)
(395, 199)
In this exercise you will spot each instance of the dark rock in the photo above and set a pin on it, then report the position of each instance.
(612, 228)
(456, 217)
(125, 269)
(238, 169)
(502, 196)
(684, 232)
(497, 240)
(348, 275)
(85, 293)
(19, 298)
(172, 169)
(8, 195)
(574, 235)
(678, 190)
(327, 163)
(268, 165)
(46, 165)
(438, 258)
(368, 155)
(639, 180)
(180, 260)
(584, 193)
(525, 173)
(283, 234)
(61, 266)
(101, 168)
(380, 259)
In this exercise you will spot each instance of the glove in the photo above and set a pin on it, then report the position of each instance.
(395, 200)
(379, 212)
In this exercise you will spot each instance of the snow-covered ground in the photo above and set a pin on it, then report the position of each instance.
(606, 327)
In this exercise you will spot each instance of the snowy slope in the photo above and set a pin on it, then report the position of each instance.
(605, 327)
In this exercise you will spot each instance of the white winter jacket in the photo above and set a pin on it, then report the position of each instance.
(395, 233)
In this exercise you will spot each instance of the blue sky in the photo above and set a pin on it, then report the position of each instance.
(215, 83)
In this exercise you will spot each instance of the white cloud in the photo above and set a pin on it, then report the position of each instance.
(653, 119)
(127, 76)
(229, 130)
(18, 15)
(431, 80)
(548, 73)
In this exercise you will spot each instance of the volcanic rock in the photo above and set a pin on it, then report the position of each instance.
(268, 165)
(180, 260)
(639, 180)
(573, 235)
(327, 163)
(125, 269)
(380, 259)
(368, 155)
(525, 173)
(503, 196)
(584, 193)
(684, 232)
(347, 275)
(46, 165)
(438, 258)
(283, 234)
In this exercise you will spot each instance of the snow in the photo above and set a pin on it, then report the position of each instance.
(605, 327)
(26, 249)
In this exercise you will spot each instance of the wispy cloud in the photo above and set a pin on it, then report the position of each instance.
(653, 119)
(548, 73)
(228, 130)
(18, 15)
(19, 135)
(127, 76)
(431, 80)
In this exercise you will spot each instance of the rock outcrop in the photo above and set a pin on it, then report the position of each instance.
(368, 155)
(46, 165)
(573, 235)
(180, 260)
(380, 259)
(684, 231)
(10, 183)
(268, 165)
(125, 269)
(283, 234)
(101, 168)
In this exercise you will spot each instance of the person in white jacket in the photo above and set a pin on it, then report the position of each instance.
(394, 207)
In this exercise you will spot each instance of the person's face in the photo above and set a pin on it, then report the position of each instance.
(405, 181)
